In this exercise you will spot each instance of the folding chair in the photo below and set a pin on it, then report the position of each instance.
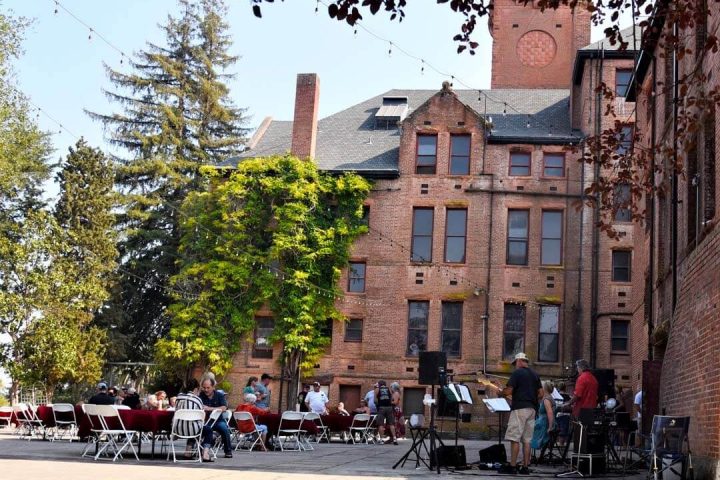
(243, 438)
(6, 415)
(187, 425)
(65, 421)
(217, 439)
(670, 447)
(359, 426)
(323, 431)
(28, 422)
(117, 440)
(293, 433)
(96, 428)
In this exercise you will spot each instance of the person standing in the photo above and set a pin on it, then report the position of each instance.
(525, 390)
(262, 392)
(302, 396)
(316, 401)
(370, 400)
(397, 410)
(385, 412)
(586, 389)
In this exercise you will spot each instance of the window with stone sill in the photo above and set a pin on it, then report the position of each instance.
(619, 336)
(353, 330)
(356, 277)
(426, 158)
(418, 312)
(459, 154)
(519, 164)
(451, 334)
(513, 330)
(262, 346)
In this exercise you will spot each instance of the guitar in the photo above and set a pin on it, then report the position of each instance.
(485, 381)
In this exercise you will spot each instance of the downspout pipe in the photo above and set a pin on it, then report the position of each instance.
(653, 140)
(674, 178)
(488, 278)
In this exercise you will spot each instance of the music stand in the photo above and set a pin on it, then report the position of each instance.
(497, 405)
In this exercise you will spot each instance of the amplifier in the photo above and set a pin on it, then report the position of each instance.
(450, 456)
(493, 454)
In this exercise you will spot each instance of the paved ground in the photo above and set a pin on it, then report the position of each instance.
(23, 460)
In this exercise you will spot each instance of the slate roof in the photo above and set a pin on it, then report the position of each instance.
(627, 35)
(349, 139)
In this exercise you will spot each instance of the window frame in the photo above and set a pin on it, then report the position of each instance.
(448, 236)
(365, 220)
(561, 168)
(505, 355)
(624, 214)
(616, 321)
(348, 328)
(357, 277)
(509, 239)
(414, 235)
(543, 238)
(556, 334)
(443, 328)
(417, 154)
(426, 303)
(625, 144)
(453, 155)
(615, 267)
(626, 85)
(511, 166)
(266, 352)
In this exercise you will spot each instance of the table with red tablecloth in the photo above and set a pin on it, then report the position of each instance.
(146, 421)
(337, 423)
(45, 413)
(272, 421)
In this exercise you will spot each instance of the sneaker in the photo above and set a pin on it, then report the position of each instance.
(381, 442)
(523, 470)
(228, 454)
(395, 442)
(507, 469)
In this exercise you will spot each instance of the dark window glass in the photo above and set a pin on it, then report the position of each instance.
(460, 155)
(709, 161)
(520, 164)
(426, 154)
(417, 327)
(514, 330)
(356, 277)
(263, 348)
(353, 330)
(517, 240)
(455, 227)
(621, 265)
(619, 335)
(622, 82)
(366, 215)
(621, 197)
(552, 226)
(452, 319)
(548, 329)
(625, 139)
(554, 165)
(422, 235)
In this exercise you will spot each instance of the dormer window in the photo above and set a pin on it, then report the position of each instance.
(426, 160)
(392, 111)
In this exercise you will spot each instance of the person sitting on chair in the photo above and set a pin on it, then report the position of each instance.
(102, 397)
(214, 400)
(545, 421)
(363, 408)
(246, 426)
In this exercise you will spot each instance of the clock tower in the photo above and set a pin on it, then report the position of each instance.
(534, 49)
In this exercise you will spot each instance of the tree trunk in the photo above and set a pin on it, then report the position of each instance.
(292, 373)
(14, 392)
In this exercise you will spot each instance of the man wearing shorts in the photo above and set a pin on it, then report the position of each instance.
(385, 410)
(526, 390)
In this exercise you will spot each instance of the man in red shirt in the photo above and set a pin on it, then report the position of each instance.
(246, 426)
(586, 389)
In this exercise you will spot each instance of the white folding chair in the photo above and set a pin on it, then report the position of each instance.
(323, 431)
(28, 422)
(217, 439)
(117, 439)
(188, 425)
(96, 428)
(121, 407)
(291, 433)
(359, 426)
(6, 415)
(65, 421)
(247, 439)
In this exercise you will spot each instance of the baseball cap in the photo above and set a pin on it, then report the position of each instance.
(102, 386)
(316, 384)
(520, 356)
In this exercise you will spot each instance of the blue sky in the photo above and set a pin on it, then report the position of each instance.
(62, 71)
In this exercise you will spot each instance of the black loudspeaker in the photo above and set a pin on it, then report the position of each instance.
(493, 454)
(451, 456)
(606, 382)
(430, 365)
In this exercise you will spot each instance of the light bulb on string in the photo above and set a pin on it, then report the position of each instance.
(90, 34)
(452, 80)
(528, 122)
(317, 6)
(504, 109)
(422, 67)
(390, 49)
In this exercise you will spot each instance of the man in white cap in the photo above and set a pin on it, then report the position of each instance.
(102, 397)
(526, 390)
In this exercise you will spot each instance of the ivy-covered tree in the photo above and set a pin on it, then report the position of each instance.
(176, 116)
(276, 233)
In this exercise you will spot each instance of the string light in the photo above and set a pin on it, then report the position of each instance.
(504, 109)
(422, 67)
(390, 49)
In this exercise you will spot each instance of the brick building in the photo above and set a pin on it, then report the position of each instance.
(479, 242)
(679, 272)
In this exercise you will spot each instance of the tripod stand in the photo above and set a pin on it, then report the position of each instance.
(430, 434)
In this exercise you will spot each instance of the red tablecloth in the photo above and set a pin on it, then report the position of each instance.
(272, 421)
(152, 421)
(337, 423)
(45, 413)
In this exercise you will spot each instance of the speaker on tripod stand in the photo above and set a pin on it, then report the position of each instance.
(431, 364)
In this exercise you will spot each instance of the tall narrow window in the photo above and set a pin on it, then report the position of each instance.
(548, 345)
(552, 228)
(366, 215)
(455, 228)
(625, 140)
(422, 235)
(426, 154)
(353, 330)
(554, 165)
(514, 330)
(460, 155)
(621, 198)
(520, 164)
(692, 193)
(621, 265)
(356, 277)
(622, 81)
(417, 327)
(619, 336)
(709, 166)
(262, 347)
(452, 316)
(517, 239)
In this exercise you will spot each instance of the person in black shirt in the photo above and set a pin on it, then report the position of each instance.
(301, 398)
(132, 399)
(102, 397)
(385, 411)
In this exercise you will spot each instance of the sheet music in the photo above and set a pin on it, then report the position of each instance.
(556, 395)
(453, 388)
(496, 404)
(465, 394)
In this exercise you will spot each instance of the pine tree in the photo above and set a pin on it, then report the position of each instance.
(176, 116)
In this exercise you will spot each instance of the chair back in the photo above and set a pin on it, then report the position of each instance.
(22, 412)
(64, 413)
(109, 417)
(315, 418)
(361, 420)
(213, 418)
(187, 423)
(291, 419)
(244, 417)
(669, 434)
(92, 415)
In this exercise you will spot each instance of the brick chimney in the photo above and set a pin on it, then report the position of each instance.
(304, 134)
